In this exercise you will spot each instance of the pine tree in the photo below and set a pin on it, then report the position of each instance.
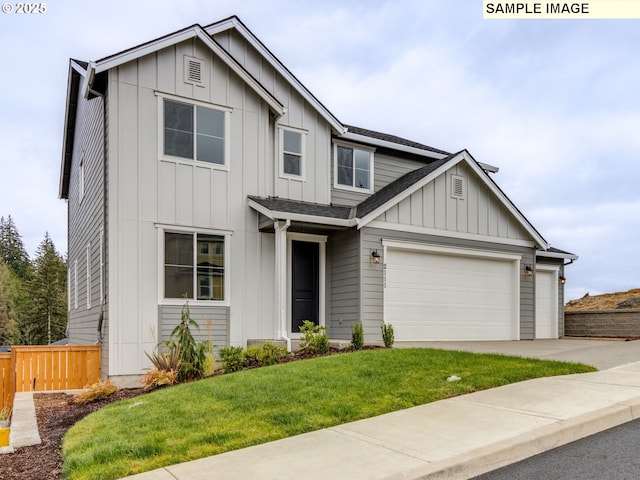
(12, 249)
(9, 286)
(47, 318)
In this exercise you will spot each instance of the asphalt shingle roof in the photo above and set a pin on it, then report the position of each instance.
(303, 208)
(392, 138)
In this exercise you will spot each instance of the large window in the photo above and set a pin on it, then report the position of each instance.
(354, 168)
(194, 132)
(292, 158)
(194, 265)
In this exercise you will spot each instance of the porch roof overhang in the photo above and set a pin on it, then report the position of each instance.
(298, 211)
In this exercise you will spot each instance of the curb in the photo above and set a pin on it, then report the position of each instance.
(506, 452)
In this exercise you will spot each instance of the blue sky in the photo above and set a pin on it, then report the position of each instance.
(554, 103)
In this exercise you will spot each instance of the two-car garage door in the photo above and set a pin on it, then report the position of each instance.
(451, 294)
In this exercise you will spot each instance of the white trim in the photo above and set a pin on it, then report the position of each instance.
(547, 254)
(353, 146)
(235, 23)
(396, 227)
(513, 258)
(321, 240)
(226, 234)
(187, 34)
(300, 217)
(101, 253)
(445, 250)
(303, 157)
(194, 103)
(75, 284)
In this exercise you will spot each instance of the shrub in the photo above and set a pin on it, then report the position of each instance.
(193, 355)
(159, 378)
(314, 338)
(97, 391)
(232, 358)
(165, 360)
(270, 354)
(357, 336)
(387, 334)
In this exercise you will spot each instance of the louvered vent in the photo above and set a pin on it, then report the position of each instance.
(457, 187)
(193, 70)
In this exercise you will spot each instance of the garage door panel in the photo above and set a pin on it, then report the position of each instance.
(447, 297)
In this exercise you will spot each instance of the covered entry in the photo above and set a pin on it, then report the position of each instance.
(445, 293)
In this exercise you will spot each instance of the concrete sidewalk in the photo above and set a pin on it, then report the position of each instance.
(455, 438)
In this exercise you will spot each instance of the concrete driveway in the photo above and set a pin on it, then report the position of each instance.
(602, 354)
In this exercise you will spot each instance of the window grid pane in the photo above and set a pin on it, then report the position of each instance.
(345, 166)
(178, 129)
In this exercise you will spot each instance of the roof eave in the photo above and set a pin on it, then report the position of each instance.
(559, 255)
(300, 217)
(76, 72)
(356, 137)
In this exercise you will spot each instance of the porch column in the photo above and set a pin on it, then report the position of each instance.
(280, 289)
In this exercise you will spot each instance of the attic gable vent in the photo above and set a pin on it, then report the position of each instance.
(193, 70)
(457, 187)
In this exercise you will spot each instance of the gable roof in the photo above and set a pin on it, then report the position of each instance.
(234, 22)
(409, 183)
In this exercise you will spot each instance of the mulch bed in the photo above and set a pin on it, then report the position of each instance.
(56, 413)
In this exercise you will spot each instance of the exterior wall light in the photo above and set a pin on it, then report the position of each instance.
(562, 280)
(375, 257)
(528, 271)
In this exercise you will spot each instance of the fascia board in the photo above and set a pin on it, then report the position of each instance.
(145, 49)
(362, 222)
(275, 105)
(356, 137)
(547, 254)
(75, 76)
(235, 23)
(187, 34)
(300, 217)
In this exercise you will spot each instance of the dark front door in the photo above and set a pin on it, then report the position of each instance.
(305, 261)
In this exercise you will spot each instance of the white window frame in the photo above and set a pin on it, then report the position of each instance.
(162, 229)
(281, 152)
(353, 146)
(194, 103)
(89, 276)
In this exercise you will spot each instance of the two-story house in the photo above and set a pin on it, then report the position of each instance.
(196, 165)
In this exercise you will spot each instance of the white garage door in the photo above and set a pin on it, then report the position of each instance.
(546, 304)
(444, 296)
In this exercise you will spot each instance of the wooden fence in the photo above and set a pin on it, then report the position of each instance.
(40, 368)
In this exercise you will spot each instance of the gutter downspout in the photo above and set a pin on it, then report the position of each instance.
(280, 228)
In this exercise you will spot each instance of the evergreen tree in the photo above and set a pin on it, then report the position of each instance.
(9, 286)
(46, 321)
(12, 250)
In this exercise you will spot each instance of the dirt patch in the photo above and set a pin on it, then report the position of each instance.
(56, 413)
(606, 301)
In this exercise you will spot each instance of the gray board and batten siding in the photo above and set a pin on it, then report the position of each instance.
(88, 288)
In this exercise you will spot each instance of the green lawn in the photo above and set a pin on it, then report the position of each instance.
(237, 410)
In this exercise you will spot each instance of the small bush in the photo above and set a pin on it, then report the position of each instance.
(95, 392)
(387, 334)
(170, 360)
(232, 358)
(357, 336)
(270, 354)
(314, 338)
(159, 378)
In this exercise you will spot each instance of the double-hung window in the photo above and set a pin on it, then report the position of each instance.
(195, 132)
(292, 144)
(194, 266)
(353, 168)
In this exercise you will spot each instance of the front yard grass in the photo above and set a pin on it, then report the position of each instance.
(250, 407)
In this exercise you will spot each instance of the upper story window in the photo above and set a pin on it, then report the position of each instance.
(195, 132)
(291, 153)
(195, 266)
(353, 168)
